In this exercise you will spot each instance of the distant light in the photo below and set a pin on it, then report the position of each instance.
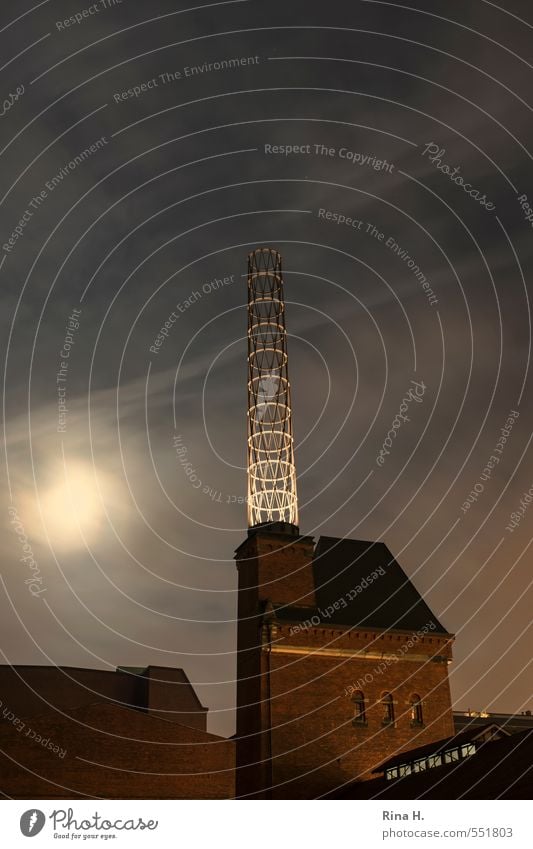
(69, 510)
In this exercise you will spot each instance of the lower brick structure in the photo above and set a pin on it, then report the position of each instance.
(103, 749)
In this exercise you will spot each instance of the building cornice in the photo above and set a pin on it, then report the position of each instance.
(354, 654)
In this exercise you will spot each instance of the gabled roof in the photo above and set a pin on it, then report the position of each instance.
(470, 735)
(501, 770)
(382, 594)
(368, 587)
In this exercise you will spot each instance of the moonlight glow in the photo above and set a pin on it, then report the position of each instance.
(73, 506)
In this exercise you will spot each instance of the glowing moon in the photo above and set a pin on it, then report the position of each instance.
(73, 504)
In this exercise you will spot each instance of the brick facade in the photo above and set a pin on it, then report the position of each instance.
(315, 744)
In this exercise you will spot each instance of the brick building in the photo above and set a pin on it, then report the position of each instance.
(128, 734)
(341, 664)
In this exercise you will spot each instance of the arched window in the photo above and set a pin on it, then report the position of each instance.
(359, 717)
(388, 709)
(417, 717)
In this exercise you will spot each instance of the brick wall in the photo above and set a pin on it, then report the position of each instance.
(170, 695)
(315, 745)
(164, 691)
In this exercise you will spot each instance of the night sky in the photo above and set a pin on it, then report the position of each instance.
(386, 151)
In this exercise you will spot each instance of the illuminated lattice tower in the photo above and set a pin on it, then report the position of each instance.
(271, 470)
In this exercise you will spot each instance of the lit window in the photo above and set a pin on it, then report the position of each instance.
(388, 709)
(434, 760)
(468, 750)
(405, 770)
(417, 717)
(451, 756)
(359, 708)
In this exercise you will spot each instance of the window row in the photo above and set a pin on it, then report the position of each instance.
(447, 756)
(387, 709)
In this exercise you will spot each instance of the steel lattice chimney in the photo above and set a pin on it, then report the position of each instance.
(271, 471)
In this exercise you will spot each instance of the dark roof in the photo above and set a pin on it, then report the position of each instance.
(389, 601)
(28, 688)
(436, 748)
(366, 576)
